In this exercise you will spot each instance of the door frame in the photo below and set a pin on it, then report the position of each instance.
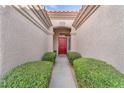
(66, 44)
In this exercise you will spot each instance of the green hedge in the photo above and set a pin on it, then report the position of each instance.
(95, 73)
(49, 56)
(29, 75)
(72, 56)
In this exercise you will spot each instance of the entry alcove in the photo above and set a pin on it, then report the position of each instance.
(62, 40)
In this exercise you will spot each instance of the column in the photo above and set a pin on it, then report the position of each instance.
(50, 39)
(73, 40)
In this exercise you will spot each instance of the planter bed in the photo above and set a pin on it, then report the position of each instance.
(49, 56)
(72, 56)
(30, 75)
(92, 73)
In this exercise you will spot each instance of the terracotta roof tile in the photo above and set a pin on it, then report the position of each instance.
(51, 12)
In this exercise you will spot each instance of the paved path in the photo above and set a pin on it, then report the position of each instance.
(62, 76)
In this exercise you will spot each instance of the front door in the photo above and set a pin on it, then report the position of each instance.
(62, 45)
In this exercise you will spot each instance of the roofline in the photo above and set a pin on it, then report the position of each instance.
(54, 15)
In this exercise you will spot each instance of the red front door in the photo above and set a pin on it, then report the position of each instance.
(62, 45)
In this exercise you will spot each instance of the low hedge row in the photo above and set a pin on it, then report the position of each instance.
(29, 75)
(49, 56)
(72, 56)
(94, 73)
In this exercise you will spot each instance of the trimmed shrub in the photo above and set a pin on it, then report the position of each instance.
(72, 56)
(29, 75)
(54, 51)
(49, 56)
(92, 73)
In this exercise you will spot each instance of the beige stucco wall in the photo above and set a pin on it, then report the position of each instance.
(102, 36)
(50, 43)
(61, 22)
(0, 42)
(21, 42)
(74, 41)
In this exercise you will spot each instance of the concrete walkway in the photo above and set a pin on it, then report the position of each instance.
(62, 75)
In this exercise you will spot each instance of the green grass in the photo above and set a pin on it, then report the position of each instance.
(30, 75)
(49, 56)
(72, 56)
(92, 73)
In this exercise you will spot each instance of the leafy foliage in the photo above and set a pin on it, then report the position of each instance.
(49, 56)
(95, 73)
(72, 56)
(29, 75)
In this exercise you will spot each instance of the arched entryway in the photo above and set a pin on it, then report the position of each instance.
(61, 40)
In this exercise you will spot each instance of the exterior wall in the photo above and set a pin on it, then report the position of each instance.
(50, 39)
(0, 41)
(102, 36)
(74, 40)
(59, 23)
(22, 41)
(50, 43)
(55, 43)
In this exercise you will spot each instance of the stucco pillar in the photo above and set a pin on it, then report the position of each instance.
(73, 40)
(50, 39)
